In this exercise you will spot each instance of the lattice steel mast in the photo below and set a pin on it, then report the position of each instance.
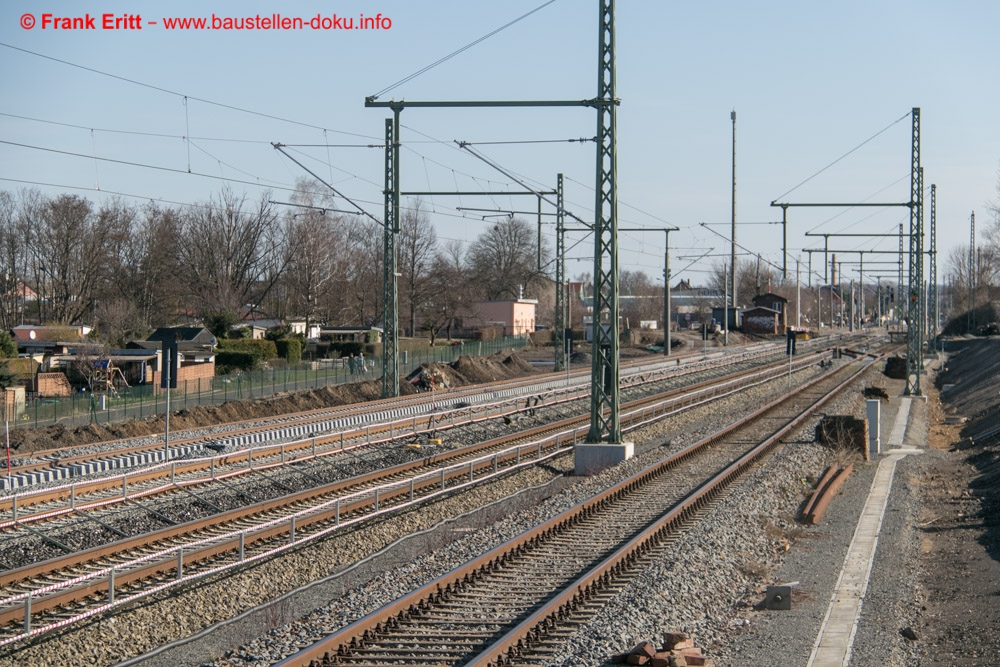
(932, 286)
(605, 425)
(561, 296)
(970, 318)
(914, 341)
(390, 301)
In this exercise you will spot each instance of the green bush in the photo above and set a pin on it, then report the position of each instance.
(259, 350)
(227, 361)
(289, 349)
(8, 348)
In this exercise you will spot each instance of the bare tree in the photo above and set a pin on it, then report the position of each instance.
(505, 258)
(362, 296)
(231, 253)
(71, 257)
(13, 262)
(452, 292)
(416, 246)
(746, 289)
(143, 281)
(641, 299)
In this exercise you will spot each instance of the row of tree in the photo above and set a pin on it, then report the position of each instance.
(127, 269)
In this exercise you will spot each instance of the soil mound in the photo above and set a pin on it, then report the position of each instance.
(474, 370)
(467, 370)
(973, 367)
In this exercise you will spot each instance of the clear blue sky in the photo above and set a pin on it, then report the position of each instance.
(809, 82)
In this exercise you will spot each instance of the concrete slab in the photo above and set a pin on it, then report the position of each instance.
(590, 459)
(836, 635)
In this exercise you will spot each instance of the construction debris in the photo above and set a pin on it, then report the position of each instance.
(427, 379)
(895, 368)
(843, 432)
(827, 488)
(876, 392)
(678, 650)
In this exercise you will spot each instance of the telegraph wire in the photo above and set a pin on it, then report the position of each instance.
(869, 139)
(141, 133)
(203, 100)
(530, 141)
(140, 164)
(459, 51)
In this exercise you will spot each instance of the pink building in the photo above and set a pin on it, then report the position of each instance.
(516, 316)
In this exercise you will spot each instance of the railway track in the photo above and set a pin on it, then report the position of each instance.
(500, 608)
(180, 477)
(129, 454)
(40, 597)
(120, 455)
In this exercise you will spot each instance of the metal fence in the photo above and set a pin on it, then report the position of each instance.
(138, 402)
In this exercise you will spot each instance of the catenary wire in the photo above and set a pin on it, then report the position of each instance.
(869, 139)
(459, 51)
(231, 107)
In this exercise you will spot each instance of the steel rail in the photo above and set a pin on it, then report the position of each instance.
(369, 628)
(502, 652)
(642, 410)
(194, 555)
(113, 489)
(65, 456)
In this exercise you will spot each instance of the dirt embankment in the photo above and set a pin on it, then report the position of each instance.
(960, 500)
(464, 371)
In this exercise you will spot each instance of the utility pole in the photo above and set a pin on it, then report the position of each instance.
(932, 296)
(784, 243)
(899, 277)
(666, 279)
(972, 272)
(667, 319)
(798, 294)
(561, 324)
(732, 254)
(725, 301)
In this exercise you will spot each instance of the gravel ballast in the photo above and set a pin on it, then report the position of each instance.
(708, 587)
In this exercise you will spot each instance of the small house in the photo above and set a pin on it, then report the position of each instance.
(516, 316)
(761, 320)
(196, 349)
(776, 303)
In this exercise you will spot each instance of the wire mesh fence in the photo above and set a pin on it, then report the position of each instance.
(141, 401)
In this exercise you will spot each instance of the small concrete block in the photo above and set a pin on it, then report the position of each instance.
(684, 644)
(671, 639)
(678, 661)
(660, 660)
(634, 659)
(590, 459)
(778, 597)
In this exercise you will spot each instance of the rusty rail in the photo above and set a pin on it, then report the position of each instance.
(538, 623)
(156, 567)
